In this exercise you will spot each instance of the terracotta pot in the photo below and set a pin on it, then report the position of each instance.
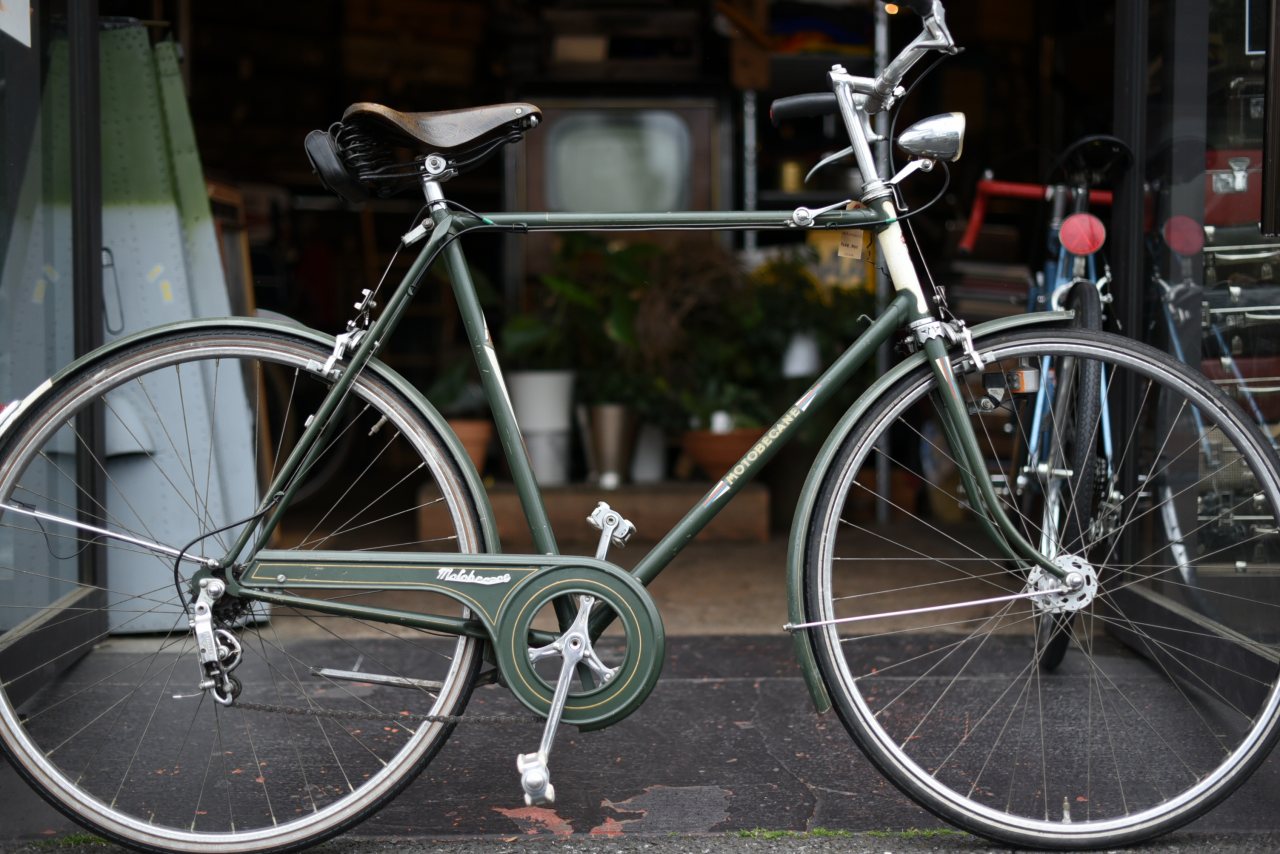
(475, 435)
(715, 453)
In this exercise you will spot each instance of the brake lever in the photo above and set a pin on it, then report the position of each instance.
(827, 161)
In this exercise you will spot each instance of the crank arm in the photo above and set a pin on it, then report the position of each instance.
(575, 646)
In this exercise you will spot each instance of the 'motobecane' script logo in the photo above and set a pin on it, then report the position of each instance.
(468, 576)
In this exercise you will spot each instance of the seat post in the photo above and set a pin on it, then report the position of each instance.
(433, 192)
(433, 166)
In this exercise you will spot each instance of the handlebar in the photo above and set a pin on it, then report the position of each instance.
(988, 188)
(857, 98)
(876, 93)
(806, 106)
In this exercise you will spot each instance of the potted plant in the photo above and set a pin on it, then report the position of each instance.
(536, 342)
(760, 336)
(685, 352)
(587, 318)
(620, 390)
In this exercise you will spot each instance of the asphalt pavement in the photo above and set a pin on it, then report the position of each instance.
(726, 755)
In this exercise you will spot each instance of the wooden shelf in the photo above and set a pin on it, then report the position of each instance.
(653, 508)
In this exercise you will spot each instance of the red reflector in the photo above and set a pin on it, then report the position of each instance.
(1184, 235)
(1082, 234)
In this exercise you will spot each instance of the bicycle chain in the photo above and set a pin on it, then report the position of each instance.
(384, 717)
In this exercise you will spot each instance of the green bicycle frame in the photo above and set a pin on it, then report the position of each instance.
(906, 307)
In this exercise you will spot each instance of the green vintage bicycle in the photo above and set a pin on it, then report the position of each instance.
(254, 671)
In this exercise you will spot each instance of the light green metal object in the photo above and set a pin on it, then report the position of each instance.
(483, 583)
(495, 391)
(825, 458)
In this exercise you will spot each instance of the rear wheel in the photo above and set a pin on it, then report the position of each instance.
(331, 716)
(929, 645)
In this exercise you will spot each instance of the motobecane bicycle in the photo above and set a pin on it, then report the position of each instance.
(253, 674)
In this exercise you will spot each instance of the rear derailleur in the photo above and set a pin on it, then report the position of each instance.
(219, 649)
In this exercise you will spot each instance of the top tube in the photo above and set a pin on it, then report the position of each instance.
(776, 220)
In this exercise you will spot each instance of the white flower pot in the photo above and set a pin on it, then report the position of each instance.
(543, 403)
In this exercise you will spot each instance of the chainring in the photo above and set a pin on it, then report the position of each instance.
(637, 663)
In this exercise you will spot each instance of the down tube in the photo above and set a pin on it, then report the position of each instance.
(783, 429)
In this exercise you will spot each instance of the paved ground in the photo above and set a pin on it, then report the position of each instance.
(726, 745)
(726, 755)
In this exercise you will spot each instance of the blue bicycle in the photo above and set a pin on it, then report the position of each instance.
(1068, 477)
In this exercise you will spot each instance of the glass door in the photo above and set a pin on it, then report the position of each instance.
(1211, 298)
(48, 313)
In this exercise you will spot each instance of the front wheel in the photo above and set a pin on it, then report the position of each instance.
(1158, 711)
(101, 708)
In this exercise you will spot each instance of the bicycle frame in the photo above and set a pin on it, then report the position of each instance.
(281, 571)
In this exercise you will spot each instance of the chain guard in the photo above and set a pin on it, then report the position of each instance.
(586, 707)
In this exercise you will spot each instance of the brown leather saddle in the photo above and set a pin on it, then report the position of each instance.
(356, 158)
(447, 130)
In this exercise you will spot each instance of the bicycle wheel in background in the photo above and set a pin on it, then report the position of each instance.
(329, 720)
(1075, 477)
(1157, 712)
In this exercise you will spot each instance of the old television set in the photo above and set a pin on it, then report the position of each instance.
(615, 155)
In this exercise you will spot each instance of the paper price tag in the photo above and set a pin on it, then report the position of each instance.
(855, 243)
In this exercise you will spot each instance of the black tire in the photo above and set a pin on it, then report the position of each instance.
(1074, 446)
(952, 706)
(304, 752)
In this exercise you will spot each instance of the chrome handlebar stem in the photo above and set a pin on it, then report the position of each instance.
(860, 98)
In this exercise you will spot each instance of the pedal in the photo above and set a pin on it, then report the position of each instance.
(613, 528)
(574, 647)
(535, 779)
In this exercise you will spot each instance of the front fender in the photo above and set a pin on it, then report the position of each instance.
(808, 495)
(280, 325)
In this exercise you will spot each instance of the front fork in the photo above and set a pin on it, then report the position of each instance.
(935, 336)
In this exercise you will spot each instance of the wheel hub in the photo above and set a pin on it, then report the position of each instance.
(1081, 583)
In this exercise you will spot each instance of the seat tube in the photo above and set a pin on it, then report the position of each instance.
(495, 387)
